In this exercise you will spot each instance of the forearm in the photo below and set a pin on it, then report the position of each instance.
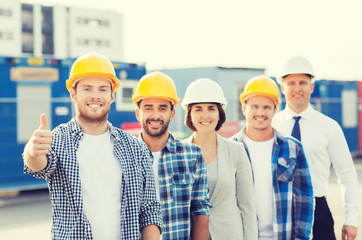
(151, 232)
(200, 227)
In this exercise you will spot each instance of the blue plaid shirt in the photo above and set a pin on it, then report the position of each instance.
(182, 177)
(139, 205)
(292, 189)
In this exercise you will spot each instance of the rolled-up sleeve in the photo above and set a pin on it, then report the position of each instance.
(199, 199)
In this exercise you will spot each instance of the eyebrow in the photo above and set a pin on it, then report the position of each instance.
(102, 86)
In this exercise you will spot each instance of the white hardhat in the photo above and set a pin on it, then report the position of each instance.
(296, 65)
(204, 90)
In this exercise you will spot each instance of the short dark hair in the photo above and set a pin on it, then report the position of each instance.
(139, 103)
(188, 121)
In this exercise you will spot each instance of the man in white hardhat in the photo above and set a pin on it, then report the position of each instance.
(324, 144)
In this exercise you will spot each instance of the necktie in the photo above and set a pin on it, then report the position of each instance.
(296, 128)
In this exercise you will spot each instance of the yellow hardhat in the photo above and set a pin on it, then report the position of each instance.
(156, 85)
(92, 64)
(261, 85)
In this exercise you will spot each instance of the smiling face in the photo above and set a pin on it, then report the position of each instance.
(155, 115)
(204, 116)
(92, 97)
(259, 111)
(297, 89)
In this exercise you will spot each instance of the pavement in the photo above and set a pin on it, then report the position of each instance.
(27, 215)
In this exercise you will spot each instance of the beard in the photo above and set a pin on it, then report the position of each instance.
(155, 133)
(92, 118)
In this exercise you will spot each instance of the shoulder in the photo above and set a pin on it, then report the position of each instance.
(127, 138)
(186, 145)
(287, 141)
(230, 144)
(323, 119)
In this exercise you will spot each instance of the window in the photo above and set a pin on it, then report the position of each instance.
(6, 35)
(93, 22)
(349, 108)
(93, 42)
(32, 101)
(47, 30)
(6, 12)
(27, 28)
(124, 95)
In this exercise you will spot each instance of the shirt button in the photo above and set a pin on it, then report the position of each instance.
(183, 180)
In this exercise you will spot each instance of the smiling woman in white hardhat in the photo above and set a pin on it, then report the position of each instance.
(230, 182)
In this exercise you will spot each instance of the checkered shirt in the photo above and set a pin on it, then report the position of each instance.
(139, 205)
(182, 176)
(292, 188)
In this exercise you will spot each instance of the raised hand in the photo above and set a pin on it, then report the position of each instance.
(36, 150)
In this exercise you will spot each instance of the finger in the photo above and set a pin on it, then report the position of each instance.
(343, 235)
(43, 121)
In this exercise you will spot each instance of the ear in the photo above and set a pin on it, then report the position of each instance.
(243, 107)
(73, 95)
(282, 88)
(113, 95)
(312, 88)
(137, 112)
(172, 114)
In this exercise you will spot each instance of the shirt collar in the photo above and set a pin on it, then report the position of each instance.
(170, 145)
(307, 113)
(241, 135)
(76, 130)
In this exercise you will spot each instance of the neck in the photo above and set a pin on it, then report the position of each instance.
(259, 135)
(298, 110)
(155, 144)
(204, 139)
(93, 128)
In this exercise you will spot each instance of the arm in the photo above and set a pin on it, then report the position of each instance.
(303, 199)
(245, 195)
(36, 150)
(199, 200)
(200, 227)
(150, 209)
(151, 232)
(347, 176)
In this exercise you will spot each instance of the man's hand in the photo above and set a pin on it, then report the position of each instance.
(349, 232)
(36, 150)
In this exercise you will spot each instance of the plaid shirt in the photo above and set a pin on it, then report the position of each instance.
(292, 189)
(182, 177)
(139, 206)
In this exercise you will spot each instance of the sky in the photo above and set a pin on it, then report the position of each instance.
(167, 34)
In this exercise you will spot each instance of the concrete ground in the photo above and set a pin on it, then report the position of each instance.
(27, 216)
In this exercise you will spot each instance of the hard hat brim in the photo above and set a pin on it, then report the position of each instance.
(76, 77)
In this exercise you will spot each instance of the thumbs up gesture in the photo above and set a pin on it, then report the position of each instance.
(36, 150)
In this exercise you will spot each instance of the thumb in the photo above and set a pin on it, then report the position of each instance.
(43, 122)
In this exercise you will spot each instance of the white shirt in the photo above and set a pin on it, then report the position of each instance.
(263, 184)
(324, 143)
(100, 175)
(156, 157)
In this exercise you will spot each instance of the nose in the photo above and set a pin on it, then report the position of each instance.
(95, 94)
(155, 115)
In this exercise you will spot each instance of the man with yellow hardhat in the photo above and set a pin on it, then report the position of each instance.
(100, 179)
(179, 167)
(282, 183)
(324, 144)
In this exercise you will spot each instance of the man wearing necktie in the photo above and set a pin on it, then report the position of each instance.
(324, 144)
